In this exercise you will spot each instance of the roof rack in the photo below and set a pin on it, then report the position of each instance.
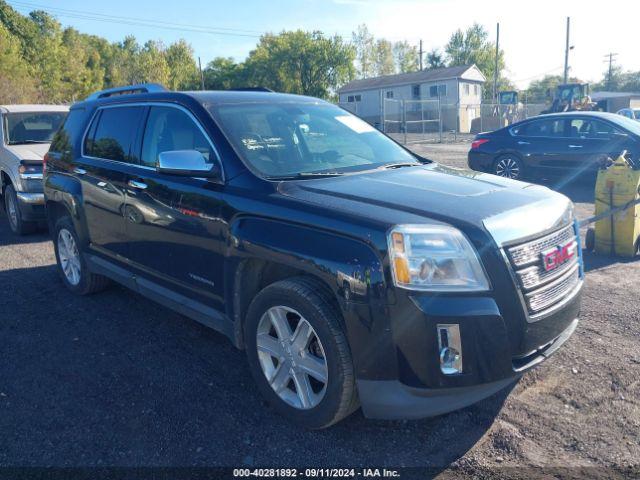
(251, 89)
(127, 90)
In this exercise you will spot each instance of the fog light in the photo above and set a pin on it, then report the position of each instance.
(450, 349)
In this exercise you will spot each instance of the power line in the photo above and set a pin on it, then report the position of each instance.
(99, 17)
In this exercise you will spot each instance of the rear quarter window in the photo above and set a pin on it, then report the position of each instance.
(71, 129)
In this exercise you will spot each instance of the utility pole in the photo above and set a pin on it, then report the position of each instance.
(201, 74)
(421, 54)
(566, 53)
(495, 71)
(610, 75)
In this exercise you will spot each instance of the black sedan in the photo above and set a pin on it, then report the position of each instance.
(565, 144)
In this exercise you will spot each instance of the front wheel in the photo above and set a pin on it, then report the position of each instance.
(509, 166)
(16, 222)
(298, 353)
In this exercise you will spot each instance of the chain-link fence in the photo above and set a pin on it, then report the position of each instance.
(424, 121)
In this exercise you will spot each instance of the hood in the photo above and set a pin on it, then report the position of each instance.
(32, 151)
(507, 208)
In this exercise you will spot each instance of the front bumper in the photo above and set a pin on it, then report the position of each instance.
(392, 399)
(31, 206)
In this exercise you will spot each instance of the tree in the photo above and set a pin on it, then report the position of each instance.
(540, 91)
(406, 57)
(384, 63)
(183, 71)
(435, 59)
(473, 47)
(363, 42)
(300, 62)
(16, 86)
(153, 64)
(222, 74)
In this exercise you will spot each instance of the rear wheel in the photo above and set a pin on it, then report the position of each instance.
(12, 209)
(509, 166)
(298, 353)
(72, 266)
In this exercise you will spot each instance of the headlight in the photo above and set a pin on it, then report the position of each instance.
(434, 258)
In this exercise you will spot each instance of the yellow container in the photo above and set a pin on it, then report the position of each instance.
(616, 186)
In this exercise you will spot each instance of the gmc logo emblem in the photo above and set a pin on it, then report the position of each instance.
(556, 256)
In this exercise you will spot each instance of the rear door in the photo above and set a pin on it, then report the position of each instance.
(173, 224)
(101, 169)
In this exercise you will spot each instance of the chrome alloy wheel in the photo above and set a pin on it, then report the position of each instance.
(508, 167)
(69, 256)
(12, 211)
(292, 357)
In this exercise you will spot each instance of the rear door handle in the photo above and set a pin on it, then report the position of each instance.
(79, 171)
(575, 146)
(523, 143)
(137, 184)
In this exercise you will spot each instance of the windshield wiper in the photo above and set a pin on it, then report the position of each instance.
(297, 176)
(400, 165)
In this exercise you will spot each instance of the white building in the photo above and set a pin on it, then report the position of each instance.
(455, 89)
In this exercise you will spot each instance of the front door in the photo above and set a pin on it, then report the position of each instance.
(173, 224)
(102, 173)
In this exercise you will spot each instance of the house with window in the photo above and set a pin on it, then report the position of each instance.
(455, 89)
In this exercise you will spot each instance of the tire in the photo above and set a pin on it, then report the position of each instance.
(12, 209)
(70, 253)
(590, 240)
(509, 166)
(306, 301)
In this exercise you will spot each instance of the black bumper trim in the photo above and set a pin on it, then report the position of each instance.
(391, 400)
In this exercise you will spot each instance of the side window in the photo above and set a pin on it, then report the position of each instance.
(542, 128)
(62, 140)
(112, 134)
(171, 129)
(588, 128)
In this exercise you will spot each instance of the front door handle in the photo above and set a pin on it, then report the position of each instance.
(523, 143)
(575, 146)
(79, 171)
(137, 185)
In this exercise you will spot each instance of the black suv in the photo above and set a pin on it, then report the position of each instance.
(352, 271)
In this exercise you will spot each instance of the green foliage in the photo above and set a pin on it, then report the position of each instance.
(473, 47)
(541, 91)
(306, 63)
(620, 81)
(435, 59)
(382, 57)
(406, 57)
(42, 62)
(222, 74)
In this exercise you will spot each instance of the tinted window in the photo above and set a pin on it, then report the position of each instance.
(541, 128)
(171, 129)
(114, 134)
(22, 128)
(588, 128)
(63, 139)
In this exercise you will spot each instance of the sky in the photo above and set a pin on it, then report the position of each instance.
(532, 34)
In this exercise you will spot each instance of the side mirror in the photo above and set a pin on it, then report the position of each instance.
(186, 163)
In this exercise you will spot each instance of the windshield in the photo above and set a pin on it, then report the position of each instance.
(31, 127)
(297, 139)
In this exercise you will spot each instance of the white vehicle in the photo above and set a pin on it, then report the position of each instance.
(633, 113)
(25, 137)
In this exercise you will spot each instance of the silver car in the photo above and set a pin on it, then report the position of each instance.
(25, 137)
(633, 113)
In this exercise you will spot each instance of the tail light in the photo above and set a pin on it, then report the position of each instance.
(476, 143)
(44, 163)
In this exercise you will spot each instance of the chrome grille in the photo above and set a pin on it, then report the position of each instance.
(541, 288)
(545, 297)
(530, 252)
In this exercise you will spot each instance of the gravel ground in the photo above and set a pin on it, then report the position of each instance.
(116, 380)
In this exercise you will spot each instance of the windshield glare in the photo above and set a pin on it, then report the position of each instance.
(305, 138)
(31, 127)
